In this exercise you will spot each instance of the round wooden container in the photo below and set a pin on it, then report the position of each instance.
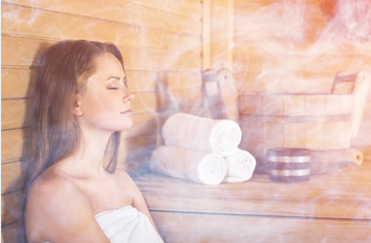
(289, 164)
(310, 121)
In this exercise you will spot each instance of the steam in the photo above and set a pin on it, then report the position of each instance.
(285, 46)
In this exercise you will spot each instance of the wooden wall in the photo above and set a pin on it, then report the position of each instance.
(161, 45)
(166, 45)
(299, 47)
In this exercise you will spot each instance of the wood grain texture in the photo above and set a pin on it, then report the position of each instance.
(15, 144)
(161, 45)
(298, 105)
(122, 12)
(343, 195)
(17, 83)
(9, 233)
(135, 58)
(11, 207)
(52, 25)
(17, 113)
(199, 227)
(11, 177)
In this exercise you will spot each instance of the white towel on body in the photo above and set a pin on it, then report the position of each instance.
(240, 166)
(200, 133)
(199, 166)
(127, 224)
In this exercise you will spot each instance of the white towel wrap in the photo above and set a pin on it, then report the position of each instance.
(127, 224)
(200, 133)
(199, 166)
(240, 166)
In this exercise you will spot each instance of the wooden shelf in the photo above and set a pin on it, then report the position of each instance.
(334, 206)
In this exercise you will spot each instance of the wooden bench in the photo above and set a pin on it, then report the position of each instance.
(331, 208)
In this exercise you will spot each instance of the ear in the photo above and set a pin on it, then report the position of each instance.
(77, 106)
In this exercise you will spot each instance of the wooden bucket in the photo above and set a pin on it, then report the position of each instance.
(289, 164)
(310, 121)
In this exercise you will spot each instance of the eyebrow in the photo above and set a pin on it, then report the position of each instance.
(118, 79)
(113, 77)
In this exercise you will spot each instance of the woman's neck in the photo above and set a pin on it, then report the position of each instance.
(89, 160)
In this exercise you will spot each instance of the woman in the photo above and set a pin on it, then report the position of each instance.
(74, 191)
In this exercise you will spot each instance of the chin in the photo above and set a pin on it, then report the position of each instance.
(126, 126)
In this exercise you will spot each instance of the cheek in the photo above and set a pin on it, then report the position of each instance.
(96, 105)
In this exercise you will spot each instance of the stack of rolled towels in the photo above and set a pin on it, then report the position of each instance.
(203, 150)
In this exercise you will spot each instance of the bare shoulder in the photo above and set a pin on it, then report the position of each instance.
(124, 178)
(128, 184)
(53, 201)
(50, 187)
(137, 196)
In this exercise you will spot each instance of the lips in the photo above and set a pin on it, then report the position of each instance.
(127, 112)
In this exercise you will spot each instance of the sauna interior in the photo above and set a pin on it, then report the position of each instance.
(290, 73)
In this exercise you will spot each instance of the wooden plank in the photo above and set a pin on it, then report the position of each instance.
(315, 105)
(190, 8)
(221, 33)
(253, 139)
(245, 61)
(28, 49)
(11, 207)
(141, 81)
(345, 104)
(297, 57)
(108, 10)
(251, 104)
(294, 137)
(142, 146)
(314, 136)
(319, 83)
(294, 105)
(273, 105)
(11, 177)
(15, 144)
(9, 233)
(199, 227)
(52, 25)
(274, 135)
(206, 32)
(186, 100)
(17, 83)
(16, 113)
(131, 148)
(344, 195)
(332, 104)
(140, 153)
(145, 102)
(134, 58)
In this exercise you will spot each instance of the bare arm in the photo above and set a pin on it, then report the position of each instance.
(57, 211)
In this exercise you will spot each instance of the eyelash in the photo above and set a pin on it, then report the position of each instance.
(115, 86)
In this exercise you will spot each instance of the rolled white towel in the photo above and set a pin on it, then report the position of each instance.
(199, 166)
(193, 132)
(240, 166)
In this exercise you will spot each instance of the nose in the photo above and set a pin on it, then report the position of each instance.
(128, 97)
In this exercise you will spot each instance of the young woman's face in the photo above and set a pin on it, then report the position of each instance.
(105, 103)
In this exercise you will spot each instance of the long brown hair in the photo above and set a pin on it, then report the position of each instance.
(62, 73)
